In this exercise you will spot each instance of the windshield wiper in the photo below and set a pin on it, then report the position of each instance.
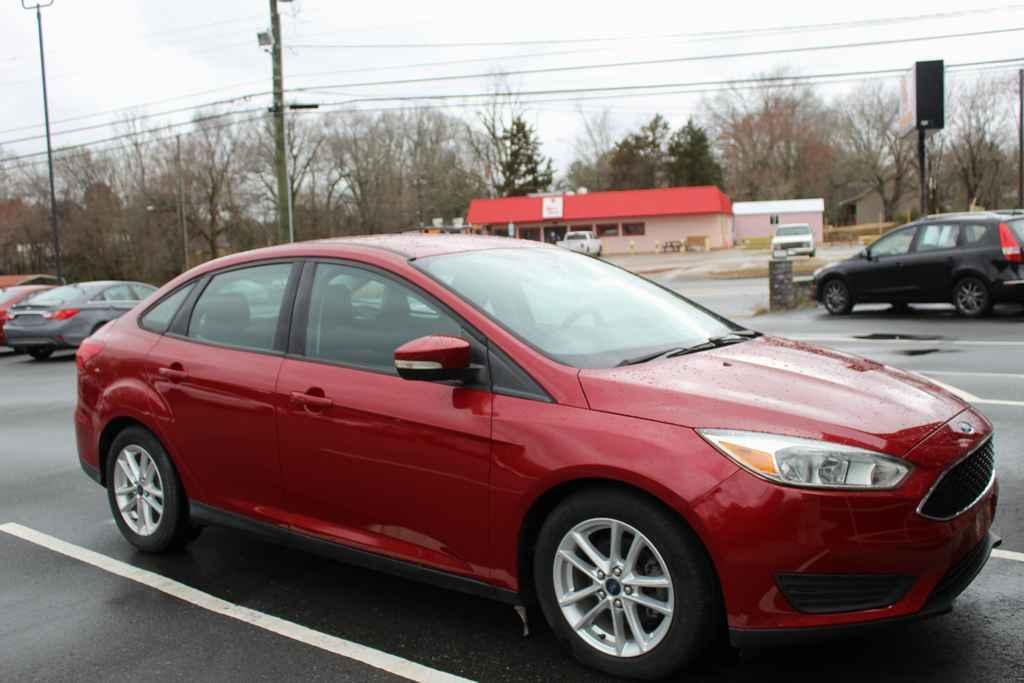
(733, 337)
(669, 353)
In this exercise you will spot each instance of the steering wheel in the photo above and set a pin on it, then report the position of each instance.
(580, 312)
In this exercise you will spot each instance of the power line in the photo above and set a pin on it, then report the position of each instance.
(574, 94)
(520, 72)
(669, 60)
(231, 100)
(709, 35)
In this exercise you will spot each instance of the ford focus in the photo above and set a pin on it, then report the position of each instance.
(528, 424)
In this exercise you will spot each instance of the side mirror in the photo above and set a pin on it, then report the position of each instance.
(865, 254)
(436, 358)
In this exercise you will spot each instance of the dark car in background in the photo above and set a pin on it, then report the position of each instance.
(972, 260)
(63, 317)
(11, 296)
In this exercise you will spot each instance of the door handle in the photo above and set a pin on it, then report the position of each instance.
(311, 401)
(175, 373)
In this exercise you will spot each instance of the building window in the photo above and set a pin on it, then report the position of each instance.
(773, 219)
(581, 228)
(632, 229)
(529, 234)
(608, 230)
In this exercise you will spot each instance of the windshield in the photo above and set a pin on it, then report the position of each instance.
(70, 294)
(793, 230)
(572, 308)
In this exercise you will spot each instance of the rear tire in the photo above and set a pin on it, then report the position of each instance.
(145, 494)
(643, 614)
(836, 296)
(972, 297)
(40, 354)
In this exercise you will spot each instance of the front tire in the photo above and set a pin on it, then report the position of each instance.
(972, 297)
(40, 354)
(145, 494)
(625, 584)
(837, 297)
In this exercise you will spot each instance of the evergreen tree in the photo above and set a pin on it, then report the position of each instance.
(690, 159)
(524, 170)
(638, 160)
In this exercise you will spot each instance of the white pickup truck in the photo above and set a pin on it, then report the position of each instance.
(796, 238)
(583, 241)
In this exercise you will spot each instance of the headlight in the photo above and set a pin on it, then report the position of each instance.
(805, 462)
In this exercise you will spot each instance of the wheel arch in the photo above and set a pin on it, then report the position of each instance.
(548, 500)
(118, 424)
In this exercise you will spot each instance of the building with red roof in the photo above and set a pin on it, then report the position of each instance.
(625, 220)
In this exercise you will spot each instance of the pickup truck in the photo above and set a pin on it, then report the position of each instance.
(797, 238)
(582, 241)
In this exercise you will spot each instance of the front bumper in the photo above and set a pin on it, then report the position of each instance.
(759, 534)
(794, 250)
(956, 580)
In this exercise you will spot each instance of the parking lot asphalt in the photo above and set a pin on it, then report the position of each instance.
(233, 606)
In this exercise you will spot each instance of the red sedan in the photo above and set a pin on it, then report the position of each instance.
(14, 295)
(533, 425)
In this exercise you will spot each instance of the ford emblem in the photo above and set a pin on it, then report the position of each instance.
(965, 428)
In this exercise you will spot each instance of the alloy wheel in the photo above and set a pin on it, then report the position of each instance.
(613, 587)
(836, 296)
(971, 297)
(138, 490)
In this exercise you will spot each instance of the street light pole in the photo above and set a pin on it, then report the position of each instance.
(181, 198)
(49, 148)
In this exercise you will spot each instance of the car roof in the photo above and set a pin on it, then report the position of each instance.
(420, 246)
(960, 215)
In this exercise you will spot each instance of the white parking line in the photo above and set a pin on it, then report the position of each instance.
(1008, 555)
(966, 373)
(339, 646)
(966, 395)
(857, 340)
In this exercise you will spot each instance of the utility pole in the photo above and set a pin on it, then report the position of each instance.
(49, 148)
(1020, 140)
(280, 150)
(181, 199)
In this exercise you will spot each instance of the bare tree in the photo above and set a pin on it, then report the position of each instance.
(488, 140)
(978, 135)
(774, 141)
(874, 154)
(592, 152)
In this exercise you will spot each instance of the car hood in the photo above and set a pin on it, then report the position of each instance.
(792, 238)
(783, 387)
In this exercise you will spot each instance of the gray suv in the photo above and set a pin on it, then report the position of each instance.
(61, 318)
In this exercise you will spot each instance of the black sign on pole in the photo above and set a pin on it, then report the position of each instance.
(923, 108)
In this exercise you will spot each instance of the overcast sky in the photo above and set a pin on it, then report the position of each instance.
(151, 56)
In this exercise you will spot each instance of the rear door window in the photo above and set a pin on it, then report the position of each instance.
(937, 236)
(976, 235)
(241, 307)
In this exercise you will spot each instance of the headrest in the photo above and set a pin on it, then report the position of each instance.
(337, 304)
(226, 310)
